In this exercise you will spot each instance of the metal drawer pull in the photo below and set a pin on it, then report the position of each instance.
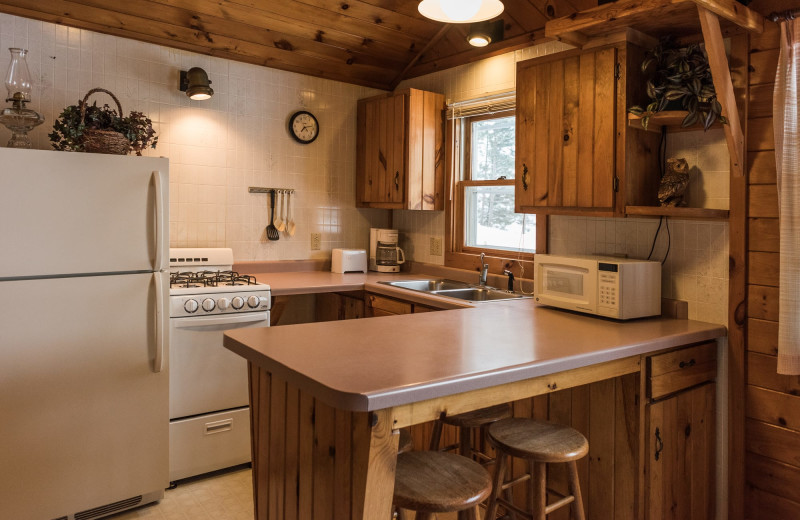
(659, 444)
(684, 364)
(219, 426)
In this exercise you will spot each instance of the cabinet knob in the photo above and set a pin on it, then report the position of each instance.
(524, 176)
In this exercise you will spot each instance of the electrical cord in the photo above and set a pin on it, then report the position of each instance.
(661, 220)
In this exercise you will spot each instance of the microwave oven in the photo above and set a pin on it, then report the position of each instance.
(619, 288)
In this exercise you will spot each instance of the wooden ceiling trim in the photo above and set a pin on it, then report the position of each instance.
(236, 13)
(442, 32)
(369, 13)
(75, 15)
(333, 20)
(474, 54)
(248, 33)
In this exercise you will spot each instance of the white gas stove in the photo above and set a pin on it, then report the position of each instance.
(208, 408)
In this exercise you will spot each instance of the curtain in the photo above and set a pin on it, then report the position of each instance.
(787, 149)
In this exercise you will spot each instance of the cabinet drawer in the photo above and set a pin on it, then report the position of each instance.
(388, 305)
(679, 369)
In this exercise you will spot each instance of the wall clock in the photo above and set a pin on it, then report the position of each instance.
(304, 127)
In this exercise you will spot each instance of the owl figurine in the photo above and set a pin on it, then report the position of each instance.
(674, 183)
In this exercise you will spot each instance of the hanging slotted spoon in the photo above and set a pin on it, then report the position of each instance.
(280, 225)
(290, 226)
(272, 231)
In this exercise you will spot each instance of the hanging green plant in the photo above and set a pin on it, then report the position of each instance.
(679, 77)
(89, 128)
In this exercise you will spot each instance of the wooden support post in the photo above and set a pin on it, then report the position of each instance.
(718, 60)
(374, 465)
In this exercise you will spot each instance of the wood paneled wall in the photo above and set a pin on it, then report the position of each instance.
(772, 424)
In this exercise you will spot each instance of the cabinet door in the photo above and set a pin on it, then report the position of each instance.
(565, 139)
(679, 463)
(381, 150)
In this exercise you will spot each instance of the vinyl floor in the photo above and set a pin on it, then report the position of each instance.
(228, 496)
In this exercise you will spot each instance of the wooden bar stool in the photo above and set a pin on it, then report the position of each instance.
(431, 482)
(540, 443)
(466, 423)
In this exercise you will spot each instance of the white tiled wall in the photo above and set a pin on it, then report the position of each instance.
(217, 148)
(707, 156)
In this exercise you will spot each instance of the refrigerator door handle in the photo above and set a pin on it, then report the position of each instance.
(161, 326)
(160, 229)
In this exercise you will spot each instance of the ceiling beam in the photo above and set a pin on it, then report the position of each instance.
(438, 36)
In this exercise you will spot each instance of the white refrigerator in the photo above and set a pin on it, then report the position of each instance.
(84, 332)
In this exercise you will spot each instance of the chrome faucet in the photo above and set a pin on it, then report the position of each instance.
(484, 270)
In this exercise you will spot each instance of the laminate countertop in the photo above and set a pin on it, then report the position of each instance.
(376, 363)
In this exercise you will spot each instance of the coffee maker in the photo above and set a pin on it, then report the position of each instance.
(384, 255)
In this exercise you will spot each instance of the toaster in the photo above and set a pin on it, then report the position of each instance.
(349, 261)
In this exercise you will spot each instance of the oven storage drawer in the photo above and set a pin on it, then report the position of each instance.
(208, 442)
(680, 369)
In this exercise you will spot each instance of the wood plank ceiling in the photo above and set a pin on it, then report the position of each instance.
(374, 43)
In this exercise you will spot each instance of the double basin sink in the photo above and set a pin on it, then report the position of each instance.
(454, 289)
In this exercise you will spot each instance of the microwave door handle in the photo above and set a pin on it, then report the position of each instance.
(161, 326)
(228, 321)
(160, 223)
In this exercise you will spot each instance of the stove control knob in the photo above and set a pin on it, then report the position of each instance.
(190, 306)
(208, 305)
(223, 304)
(253, 301)
(237, 302)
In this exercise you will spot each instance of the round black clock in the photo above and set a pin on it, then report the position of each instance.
(304, 127)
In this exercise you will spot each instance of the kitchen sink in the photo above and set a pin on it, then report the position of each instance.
(428, 285)
(454, 289)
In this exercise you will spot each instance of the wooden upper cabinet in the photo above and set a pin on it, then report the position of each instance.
(574, 153)
(400, 151)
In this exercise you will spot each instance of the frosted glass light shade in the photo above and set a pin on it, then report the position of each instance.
(460, 11)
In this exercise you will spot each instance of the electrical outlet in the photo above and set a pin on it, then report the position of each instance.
(316, 241)
(436, 246)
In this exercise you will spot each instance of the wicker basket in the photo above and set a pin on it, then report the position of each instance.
(103, 141)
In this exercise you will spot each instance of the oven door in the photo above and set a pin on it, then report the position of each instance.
(205, 376)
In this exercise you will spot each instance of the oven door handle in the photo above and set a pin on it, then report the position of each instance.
(222, 322)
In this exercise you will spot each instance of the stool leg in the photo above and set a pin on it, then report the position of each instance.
(436, 435)
(537, 498)
(575, 490)
(464, 441)
(497, 484)
(425, 516)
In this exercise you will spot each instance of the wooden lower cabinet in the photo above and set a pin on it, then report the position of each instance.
(379, 305)
(340, 306)
(679, 456)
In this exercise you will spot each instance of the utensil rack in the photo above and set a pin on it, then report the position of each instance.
(256, 189)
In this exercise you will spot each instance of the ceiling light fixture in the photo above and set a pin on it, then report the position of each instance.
(195, 83)
(482, 34)
(460, 11)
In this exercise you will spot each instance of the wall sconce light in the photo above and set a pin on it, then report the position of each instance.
(460, 11)
(482, 34)
(195, 83)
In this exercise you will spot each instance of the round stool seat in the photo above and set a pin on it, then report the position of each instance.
(478, 418)
(436, 482)
(538, 440)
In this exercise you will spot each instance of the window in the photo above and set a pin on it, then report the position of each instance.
(484, 217)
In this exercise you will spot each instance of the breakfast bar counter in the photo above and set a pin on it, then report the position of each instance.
(329, 398)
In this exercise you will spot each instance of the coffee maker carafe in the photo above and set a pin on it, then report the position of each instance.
(384, 255)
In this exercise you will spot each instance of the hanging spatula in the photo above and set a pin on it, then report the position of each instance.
(272, 231)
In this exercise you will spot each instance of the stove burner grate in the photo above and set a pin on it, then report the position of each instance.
(188, 279)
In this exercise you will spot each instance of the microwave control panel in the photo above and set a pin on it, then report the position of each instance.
(608, 284)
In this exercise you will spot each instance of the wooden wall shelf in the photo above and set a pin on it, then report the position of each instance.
(668, 211)
(672, 119)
